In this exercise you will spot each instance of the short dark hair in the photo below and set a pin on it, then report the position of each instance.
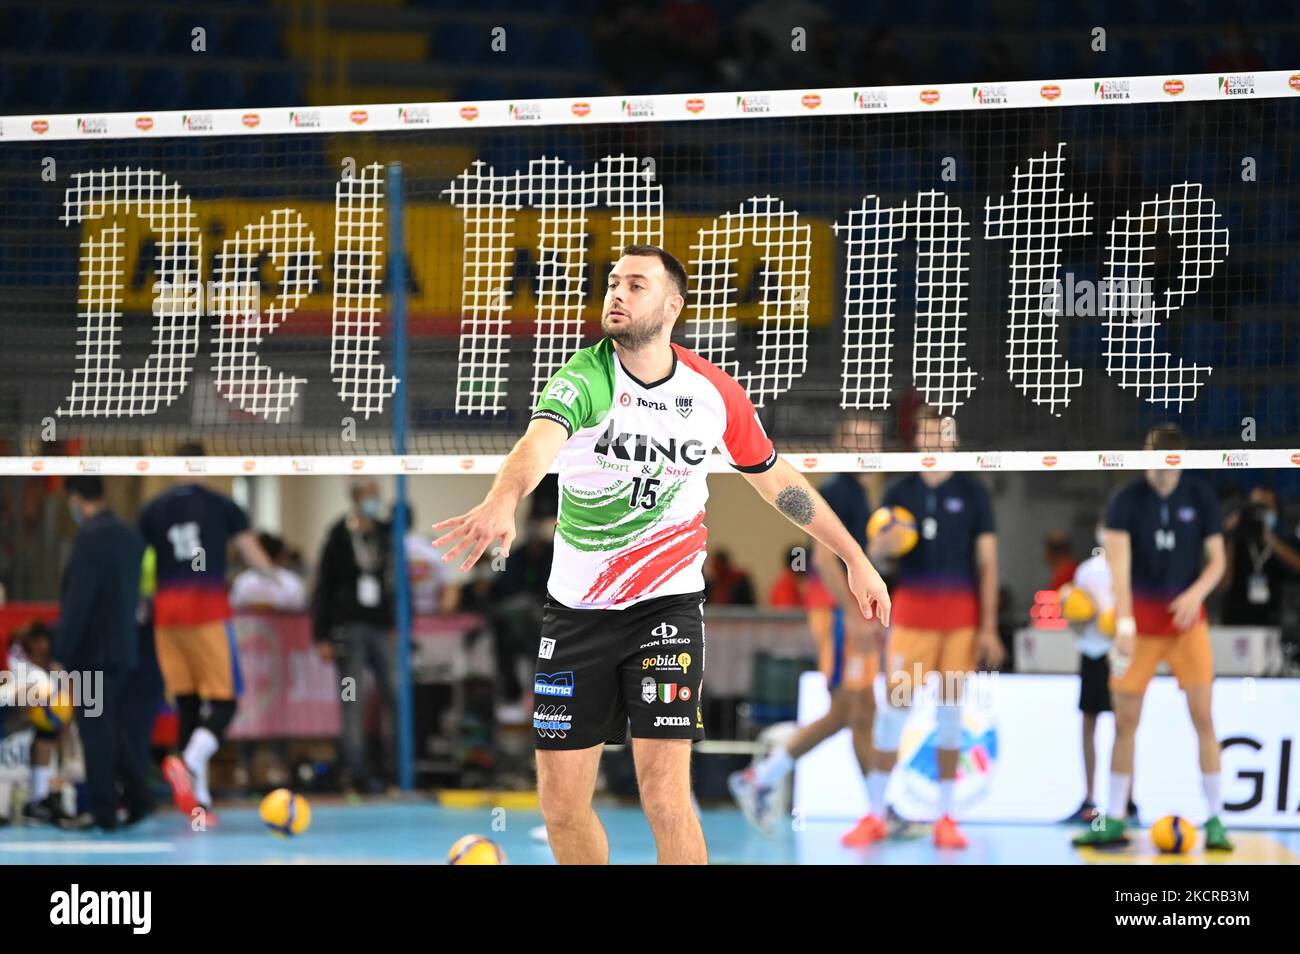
(676, 273)
(190, 449)
(85, 486)
(1166, 437)
(272, 544)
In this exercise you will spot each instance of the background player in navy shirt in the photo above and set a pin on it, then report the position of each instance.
(945, 610)
(1164, 543)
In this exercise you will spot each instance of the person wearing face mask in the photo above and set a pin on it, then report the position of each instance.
(1261, 560)
(352, 621)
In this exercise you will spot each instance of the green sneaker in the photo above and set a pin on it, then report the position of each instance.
(1216, 836)
(1106, 831)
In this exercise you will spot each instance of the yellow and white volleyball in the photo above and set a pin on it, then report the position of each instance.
(1106, 623)
(285, 813)
(1076, 604)
(1174, 835)
(476, 850)
(898, 526)
(51, 710)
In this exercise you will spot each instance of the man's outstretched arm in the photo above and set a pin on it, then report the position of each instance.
(494, 519)
(789, 492)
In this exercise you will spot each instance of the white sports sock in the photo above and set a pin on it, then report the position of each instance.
(1213, 794)
(69, 795)
(877, 783)
(947, 790)
(772, 769)
(1117, 805)
(41, 775)
(201, 747)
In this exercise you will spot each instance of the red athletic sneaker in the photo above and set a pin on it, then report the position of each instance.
(178, 777)
(947, 834)
(866, 832)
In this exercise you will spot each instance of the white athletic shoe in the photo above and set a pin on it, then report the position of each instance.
(755, 802)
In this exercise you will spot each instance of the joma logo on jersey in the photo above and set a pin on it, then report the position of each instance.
(642, 447)
(653, 405)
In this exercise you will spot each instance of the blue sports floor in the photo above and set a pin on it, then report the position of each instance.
(394, 832)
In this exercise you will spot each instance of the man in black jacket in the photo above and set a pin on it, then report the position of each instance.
(352, 622)
(97, 634)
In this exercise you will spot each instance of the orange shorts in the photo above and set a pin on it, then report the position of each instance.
(915, 653)
(1188, 654)
(199, 660)
(840, 661)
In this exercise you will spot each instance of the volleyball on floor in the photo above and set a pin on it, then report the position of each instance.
(1174, 835)
(899, 523)
(285, 813)
(476, 850)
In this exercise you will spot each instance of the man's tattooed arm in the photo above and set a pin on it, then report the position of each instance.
(797, 504)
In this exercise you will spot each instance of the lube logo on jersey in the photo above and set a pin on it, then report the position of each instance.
(645, 448)
(653, 405)
(553, 684)
(685, 405)
(648, 689)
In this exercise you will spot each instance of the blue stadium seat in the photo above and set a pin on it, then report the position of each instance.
(1202, 163)
(104, 89)
(1220, 411)
(1287, 283)
(26, 28)
(1278, 409)
(480, 88)
(139, 32)
(1262, 344)
(274, 88)
(46, 88)
(1278, 222)
(160, 88)
(81, 31)
(1058, 58)
(8, 90)
(457, 43)
(217, 89)
(570, 46)
(523, 47)
(1203, 342)
(958, 63)
(253, 37)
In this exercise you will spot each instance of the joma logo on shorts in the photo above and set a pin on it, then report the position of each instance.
(672, 720)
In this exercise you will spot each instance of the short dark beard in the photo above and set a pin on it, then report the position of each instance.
(797, 504)
(634, 337)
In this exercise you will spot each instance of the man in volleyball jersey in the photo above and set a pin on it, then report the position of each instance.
(1164, 544)
(190, 527)
(945, 618)
(848, 649)
(633, 420)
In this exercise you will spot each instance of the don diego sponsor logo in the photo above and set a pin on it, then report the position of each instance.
(809, 463)
(1049, 91)
(1173, 460)
(419, 115)
(304, 118)
(870, 99)
(695, 105)
(1236, 459)
(250, 465)
(929, 96)
(1049, 460)
(754, 103)
(92, 125)
(1237, 84)
(1174, 86)
(1294, 82)
(40, 126)
(469, 113)
(251, 120)
(1110, 461)
(525, 112)
(928, 462)
(197, 122)
(1109, 91)
(811, 100)
(992, 95)
(581, 110)
(359, 116)
(1295, 459)
(640, 108)
(144, 123)
(142, 465)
